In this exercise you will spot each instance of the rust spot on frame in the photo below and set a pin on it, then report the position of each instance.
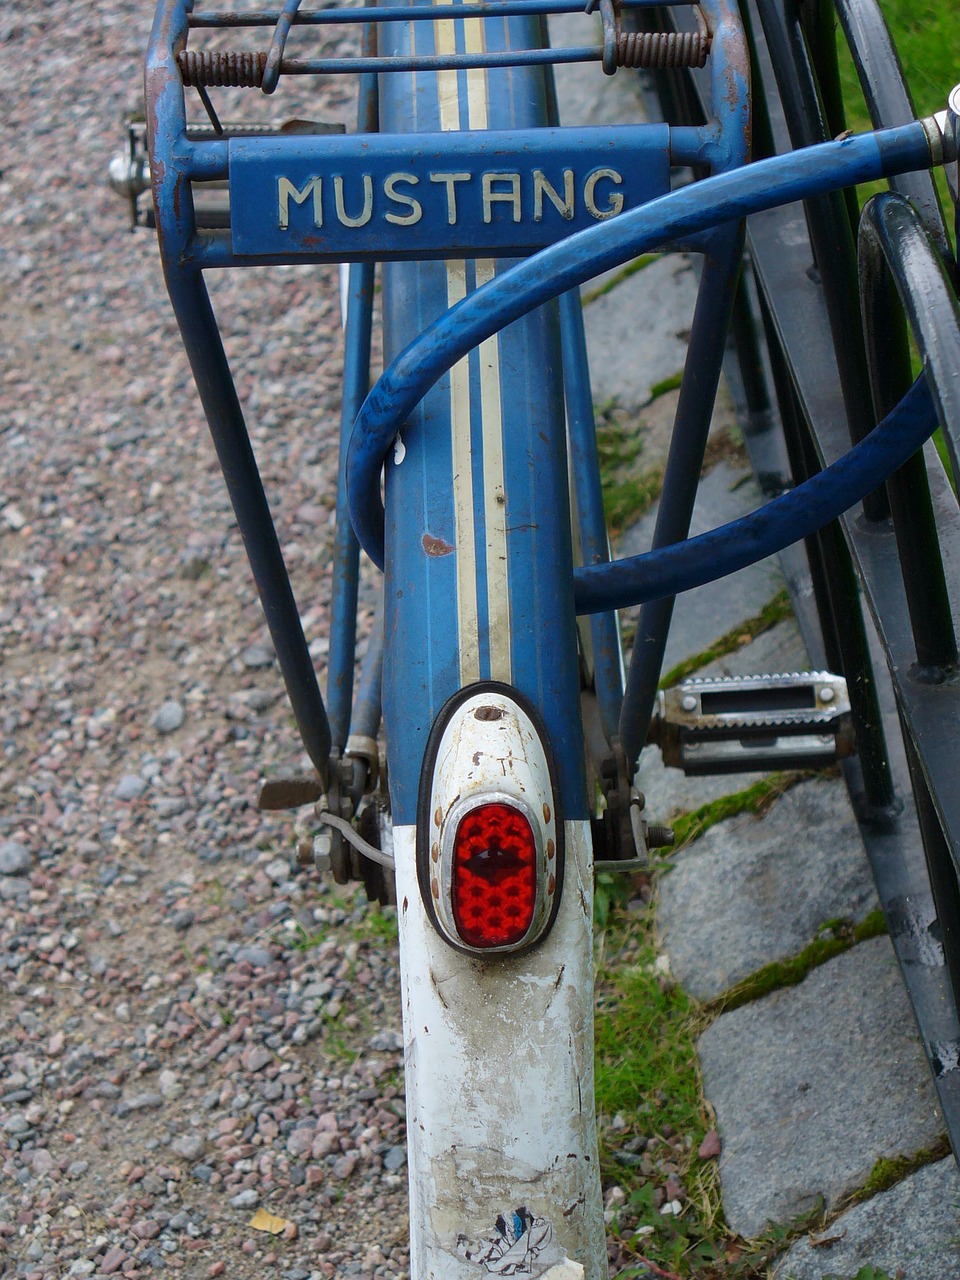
(436, 546)
(488, 713)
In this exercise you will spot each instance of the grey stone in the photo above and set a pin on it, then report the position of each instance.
(245, 1199)
(169, 717)
(278, 870)
(395, 1158)
(169, 806)
(757, 889)
(702, 616)
(15, 858)
(815, 1083)
(258, 655)
(387, 1041)
(139, 1102)
(130, 787)
(189, 1145)
(259, 957)
(579, 84)
(13, 887)
(911, 1230)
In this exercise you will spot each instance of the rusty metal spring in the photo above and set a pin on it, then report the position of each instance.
(662, 49)
(213, 69)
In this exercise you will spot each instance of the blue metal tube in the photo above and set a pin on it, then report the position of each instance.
(585, 475)
(698, 391)
(412, 13)
(787, 519)
(441, 62)
(346, 550)
(722, 198)
(166, 126)
(356, 383)
(367, 706)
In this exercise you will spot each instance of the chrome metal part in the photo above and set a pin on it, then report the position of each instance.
(727, 725)
(367, 751)
(129, 172)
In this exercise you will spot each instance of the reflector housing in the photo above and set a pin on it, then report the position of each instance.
(490, 834)
(494, 883)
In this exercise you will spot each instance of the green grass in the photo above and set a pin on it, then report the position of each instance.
(648, 1079)
(927, 37)
(886, 1173)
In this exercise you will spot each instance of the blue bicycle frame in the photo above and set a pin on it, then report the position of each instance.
(461, 166)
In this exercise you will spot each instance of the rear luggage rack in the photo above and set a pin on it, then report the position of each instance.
(262, 69)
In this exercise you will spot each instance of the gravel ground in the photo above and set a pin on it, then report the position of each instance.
(188, 1032)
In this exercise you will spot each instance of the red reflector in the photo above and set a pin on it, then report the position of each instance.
(494, 876)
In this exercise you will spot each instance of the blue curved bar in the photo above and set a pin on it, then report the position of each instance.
(772, 527)
(565, 265)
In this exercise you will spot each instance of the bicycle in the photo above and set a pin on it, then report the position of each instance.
(489, 822)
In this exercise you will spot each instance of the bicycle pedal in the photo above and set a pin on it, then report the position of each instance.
(739, 724)
(289, 793)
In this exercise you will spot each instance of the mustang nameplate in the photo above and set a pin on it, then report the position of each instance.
(473, 194)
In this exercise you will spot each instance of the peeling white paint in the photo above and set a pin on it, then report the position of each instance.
(499, 1079)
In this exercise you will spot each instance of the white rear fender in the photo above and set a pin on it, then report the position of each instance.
(499, 1044)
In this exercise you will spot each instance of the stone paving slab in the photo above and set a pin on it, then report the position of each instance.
(913, 1229)
(813, 1085)
(756, 889)
(701, 616)
(637, 334)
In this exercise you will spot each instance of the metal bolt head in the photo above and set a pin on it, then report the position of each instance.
(323, 850)
(689, 702)
(827, 694)
(304, 852)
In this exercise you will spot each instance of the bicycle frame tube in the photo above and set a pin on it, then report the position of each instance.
(687, 212)
(499, 1159)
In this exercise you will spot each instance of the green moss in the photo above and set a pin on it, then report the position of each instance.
(626, 497)
(666, 384)
(753, 799)
(774, 611)
(833, 938)
(886, 1173)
